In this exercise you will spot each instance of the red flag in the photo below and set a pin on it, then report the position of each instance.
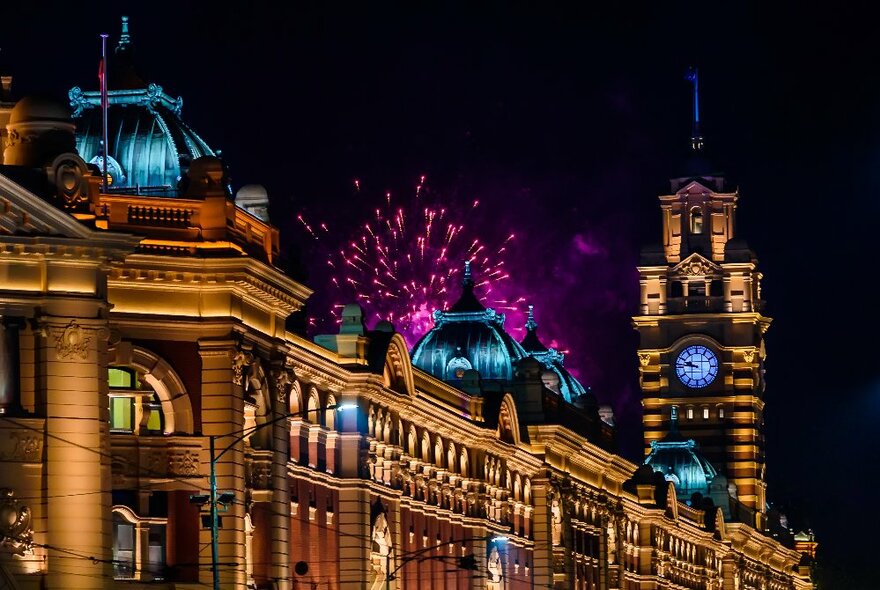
(101, 72)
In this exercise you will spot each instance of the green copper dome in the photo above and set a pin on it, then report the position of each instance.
(150, 145)
(681, 462)
(468, 336)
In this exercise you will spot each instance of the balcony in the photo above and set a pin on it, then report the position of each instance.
(695, 304)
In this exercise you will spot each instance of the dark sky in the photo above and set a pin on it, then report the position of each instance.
(569, 121)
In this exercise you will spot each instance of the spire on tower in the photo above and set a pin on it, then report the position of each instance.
(693, 76)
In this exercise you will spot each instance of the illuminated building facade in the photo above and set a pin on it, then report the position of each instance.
(138, 329)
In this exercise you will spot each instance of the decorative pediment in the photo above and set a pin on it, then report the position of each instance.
(694, 187)
(696, 265)
(398, 371)
(24, 213)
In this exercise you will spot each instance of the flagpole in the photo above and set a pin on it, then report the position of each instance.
(104, 108)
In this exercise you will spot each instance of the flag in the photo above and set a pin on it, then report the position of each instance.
(101, 72)
(691, 75)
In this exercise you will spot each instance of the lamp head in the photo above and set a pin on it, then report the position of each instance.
(199, 499)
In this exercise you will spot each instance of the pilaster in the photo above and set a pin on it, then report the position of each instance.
(223, 418)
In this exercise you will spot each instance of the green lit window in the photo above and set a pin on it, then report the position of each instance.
(122, 414)
(155, 421)
(119, 378)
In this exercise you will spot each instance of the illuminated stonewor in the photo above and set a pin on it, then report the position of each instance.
(136, 329)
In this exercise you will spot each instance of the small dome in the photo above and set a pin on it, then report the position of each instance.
(39, 108)
(252, 193)
(468, 337)
(556, 377)
(681, 462)
(254, 199)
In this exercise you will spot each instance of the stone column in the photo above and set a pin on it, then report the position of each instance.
(222, 414)
(542, 535)
(73, 367)
(280, 506)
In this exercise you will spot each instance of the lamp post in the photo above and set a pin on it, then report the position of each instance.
(227, 497)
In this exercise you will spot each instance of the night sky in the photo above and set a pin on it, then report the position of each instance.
(566, 124)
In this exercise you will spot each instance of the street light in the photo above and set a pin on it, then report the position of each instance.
(226, 498)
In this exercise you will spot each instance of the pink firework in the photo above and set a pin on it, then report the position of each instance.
(407, 258)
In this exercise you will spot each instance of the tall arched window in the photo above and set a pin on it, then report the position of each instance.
(330, 413)
(696, 220)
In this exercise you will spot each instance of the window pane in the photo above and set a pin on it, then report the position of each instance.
(156, 565)
(154, 422)
(123, 549)
(119, 378)
(121, 414)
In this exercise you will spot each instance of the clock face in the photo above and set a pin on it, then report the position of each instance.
(696, 366)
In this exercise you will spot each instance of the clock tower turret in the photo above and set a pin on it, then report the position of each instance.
(701, 331)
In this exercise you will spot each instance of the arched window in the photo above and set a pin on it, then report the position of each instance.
(330, 413)
(450, 458)
(463, 463)
(412, 442)
(426, 448)
(438, 452)
(696, 220)
(312, 407)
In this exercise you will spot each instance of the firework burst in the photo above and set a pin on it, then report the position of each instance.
(406, 259)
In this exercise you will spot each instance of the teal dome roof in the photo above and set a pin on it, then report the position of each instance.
(556, 378)
(468, 336)
(681, 462)
(150, 145)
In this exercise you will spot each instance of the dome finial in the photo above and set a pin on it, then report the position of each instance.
(693, 76)
(124, 37)
(468, 279)
(531, 324)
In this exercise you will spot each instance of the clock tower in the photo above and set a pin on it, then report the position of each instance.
(701, 330)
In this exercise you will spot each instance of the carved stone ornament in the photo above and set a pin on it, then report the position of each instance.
(644, 359)
(282, 378)
(749, 355)
(185, 463)
(72, 342)
(70, 173)
(241, 359)
(16, 533)
(696, 268)
(24, 447)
